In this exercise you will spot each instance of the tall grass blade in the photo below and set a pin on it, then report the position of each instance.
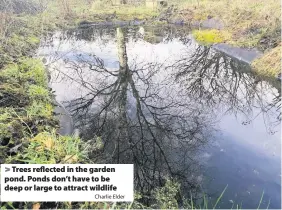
(260, 199)
(130, 205)
(205, 202)
(219, 198)
(192, 203)
(268, 204)
(10, 204)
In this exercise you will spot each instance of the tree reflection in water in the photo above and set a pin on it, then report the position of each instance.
(142, 119)
(157, 116)
(216, 80)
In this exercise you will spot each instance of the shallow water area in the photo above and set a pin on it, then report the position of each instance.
(154, 97)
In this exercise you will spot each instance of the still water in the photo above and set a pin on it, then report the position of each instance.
(174, 108)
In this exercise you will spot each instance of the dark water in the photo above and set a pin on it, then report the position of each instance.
(178, 110)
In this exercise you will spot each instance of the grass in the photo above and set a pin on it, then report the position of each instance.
(127, 12)
(95, 11)
(50, 148)
(38, 93)
(27, 72)
(247, 23)
(269, 64)
(26, 106)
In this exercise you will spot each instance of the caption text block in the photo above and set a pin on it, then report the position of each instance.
(67, 182)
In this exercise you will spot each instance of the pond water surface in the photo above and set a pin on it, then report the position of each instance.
(156, 98)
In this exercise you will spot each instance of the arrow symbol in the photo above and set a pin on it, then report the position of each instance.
(7, 169)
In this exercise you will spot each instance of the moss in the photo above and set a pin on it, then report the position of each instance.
(269, 64)
(208, 37)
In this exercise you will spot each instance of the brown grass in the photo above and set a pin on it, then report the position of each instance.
(5, 24)
(269, 64)
(249, 21)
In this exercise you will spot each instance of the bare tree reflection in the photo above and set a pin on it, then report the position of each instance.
(146, 117)
(214, 79)
(141, 118)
